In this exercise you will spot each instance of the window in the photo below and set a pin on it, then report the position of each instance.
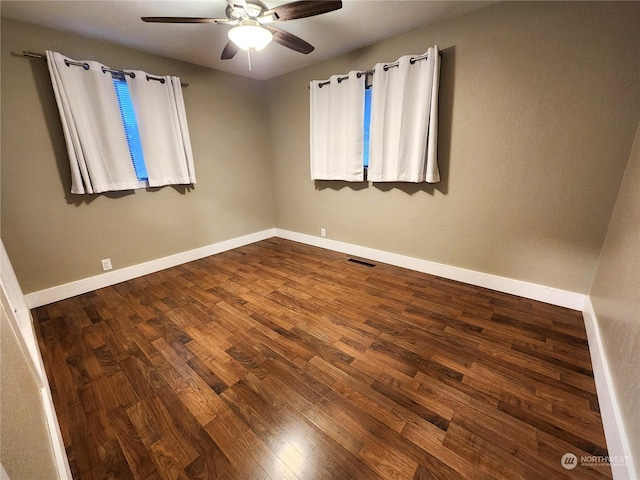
(111, 145)
(130, 124)
(390, 138)
(367, 125)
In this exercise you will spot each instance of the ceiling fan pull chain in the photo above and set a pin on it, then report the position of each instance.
(249, 58)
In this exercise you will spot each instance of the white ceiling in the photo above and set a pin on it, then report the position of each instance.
(357, 24)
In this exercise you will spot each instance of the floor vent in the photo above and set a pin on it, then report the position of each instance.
(361, 262)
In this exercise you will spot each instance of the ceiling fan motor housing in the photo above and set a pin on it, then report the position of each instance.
(254, 10)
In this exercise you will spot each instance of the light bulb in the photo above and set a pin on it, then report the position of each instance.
(249, 35)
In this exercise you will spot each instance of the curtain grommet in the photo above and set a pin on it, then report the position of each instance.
(85, 65)
(161, 80)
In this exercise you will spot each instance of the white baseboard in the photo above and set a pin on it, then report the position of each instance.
(533, 291)
(57, 443)
(554, 296)
(68, 290)
(21, 322)
(614, 429)
(617, 442)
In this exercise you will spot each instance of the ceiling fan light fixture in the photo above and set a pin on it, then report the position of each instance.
(250, 35)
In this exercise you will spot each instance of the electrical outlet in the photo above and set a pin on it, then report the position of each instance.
(106, 264)
(323, 232)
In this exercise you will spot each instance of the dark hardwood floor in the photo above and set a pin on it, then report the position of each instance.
(280, 360)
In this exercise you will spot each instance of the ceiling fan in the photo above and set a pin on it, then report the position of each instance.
(251, 18)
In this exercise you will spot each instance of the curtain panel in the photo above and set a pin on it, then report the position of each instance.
(93, 131)
(99, 154)
(337, 112)
(163, 129)
(404, 120)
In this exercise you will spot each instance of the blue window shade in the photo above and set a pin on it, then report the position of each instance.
(130, 127)
(367, 124)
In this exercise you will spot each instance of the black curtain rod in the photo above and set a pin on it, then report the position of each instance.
(42, 56)
(412, 60)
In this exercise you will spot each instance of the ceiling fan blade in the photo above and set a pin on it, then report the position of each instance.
(302, 9)
(184, 20)
(229, 51)
(290, 40)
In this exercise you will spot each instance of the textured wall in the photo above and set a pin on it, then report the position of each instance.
(25, 446)
(53, 237)
(615, 296)
(538, 107)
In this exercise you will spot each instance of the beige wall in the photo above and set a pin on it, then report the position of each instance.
(615, 296)
(53, 237)
(538, 107)
(539, 103)
(25, 446)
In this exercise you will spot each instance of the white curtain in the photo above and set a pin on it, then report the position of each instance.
(163, 129)
(98, 151)
(404, 121)
(337, 112)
